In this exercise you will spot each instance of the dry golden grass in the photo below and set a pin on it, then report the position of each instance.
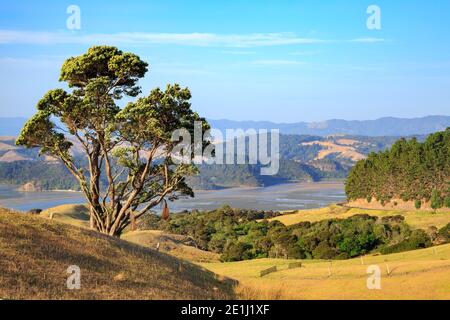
(73, 214)
(342, 150)
(394, 204)
(347, 142)
(420, 274)
(416, 218)
(171, 244)
(36, 252)
(78, 215)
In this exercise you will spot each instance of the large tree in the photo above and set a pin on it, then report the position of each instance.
(129, 148)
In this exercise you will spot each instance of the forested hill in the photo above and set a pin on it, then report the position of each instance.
(409, 170)
(388, 126)
(302, 158)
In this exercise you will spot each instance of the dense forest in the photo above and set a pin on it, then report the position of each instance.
(410, 170)
(247, 234)
(48, 176)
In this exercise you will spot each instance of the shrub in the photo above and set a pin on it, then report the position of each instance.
(393, 219)
(324, 251)
(35, 211)
(295, 252)
(342, 256)
(236, 252)
(447, 202)
(418, 239)
(149, 222)
(444, 234)
(436, 200)
(418, 204)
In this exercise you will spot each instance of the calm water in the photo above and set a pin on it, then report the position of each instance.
(281, 197)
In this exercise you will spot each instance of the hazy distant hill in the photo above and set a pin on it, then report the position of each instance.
(309, 152)
(380, 127)
(303, 158)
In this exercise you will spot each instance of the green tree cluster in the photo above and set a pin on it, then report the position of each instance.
(410, 170)
(247, 234)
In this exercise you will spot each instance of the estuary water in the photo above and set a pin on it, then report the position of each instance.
(292, 196)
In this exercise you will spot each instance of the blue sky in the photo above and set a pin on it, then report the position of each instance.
(283, 61)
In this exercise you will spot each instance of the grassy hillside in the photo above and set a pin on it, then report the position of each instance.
(175, 245)
(420, 219)
(420, 274)
(73, 214)
(36, 252)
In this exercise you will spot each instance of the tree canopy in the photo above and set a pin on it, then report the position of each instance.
(410, 170)
(129, 146)
(239, 234)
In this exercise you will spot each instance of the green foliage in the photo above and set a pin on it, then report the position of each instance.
(447, 202)
(119, 144)
(237, 251)
(410, 170)
(417, 204)
(47, 176)
(436, 200)
(444, 234)
(418, 239)
(237, 235)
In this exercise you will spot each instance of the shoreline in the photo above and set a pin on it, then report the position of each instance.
(314, 185)
(282, 197)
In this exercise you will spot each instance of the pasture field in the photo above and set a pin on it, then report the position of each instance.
(420, 219)
(420, 274)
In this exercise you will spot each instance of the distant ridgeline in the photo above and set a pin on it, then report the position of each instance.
(410, 171)
(303, 158)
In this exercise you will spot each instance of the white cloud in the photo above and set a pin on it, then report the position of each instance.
(141, 38)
